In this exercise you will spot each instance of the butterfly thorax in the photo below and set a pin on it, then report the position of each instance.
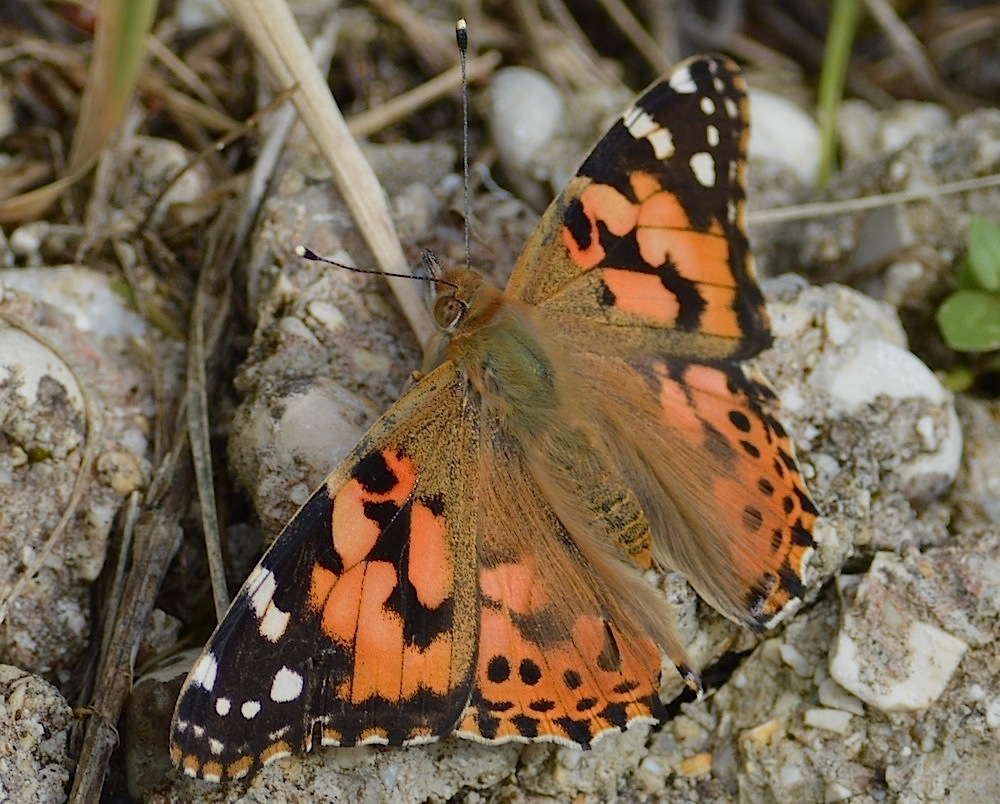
(500, 347)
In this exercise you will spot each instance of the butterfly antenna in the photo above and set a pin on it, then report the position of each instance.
(309, 254)
(462, 37)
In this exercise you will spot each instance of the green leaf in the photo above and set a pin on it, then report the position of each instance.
(967, 279)
(984, 253)
(970, 321)
(959, 379)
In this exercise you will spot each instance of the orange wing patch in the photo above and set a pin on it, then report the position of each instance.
(763, 516)
(536, 681)
(360, 622)
(673, 276)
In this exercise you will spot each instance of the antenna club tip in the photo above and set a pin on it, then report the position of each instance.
(302, 251)
(462, 34)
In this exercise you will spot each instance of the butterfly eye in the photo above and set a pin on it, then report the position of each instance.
(448, 312)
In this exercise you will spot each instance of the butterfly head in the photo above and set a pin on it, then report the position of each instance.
(455, 293)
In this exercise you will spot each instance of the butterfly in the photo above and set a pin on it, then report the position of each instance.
(475, 565)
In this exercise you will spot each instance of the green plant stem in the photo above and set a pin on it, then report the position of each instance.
(833, 75)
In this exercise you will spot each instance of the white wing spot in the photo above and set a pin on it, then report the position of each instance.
(707, 105)
(719, 84)
(215, 778)
(204, 671)
(250, 709)
(637, 121)
(712, 136)
(703, 167)
(663, 143)
(215, 746)
(273, 623)
(223, 706)
(642, 126)
(286, 686)
(260, 587)
(731, 211)
(682, 82)
(198, 731)
(731, 108)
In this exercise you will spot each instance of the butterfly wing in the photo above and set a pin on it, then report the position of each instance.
(557, 660)
(649, 236)
(643, 270)
(457, 571)
(360, 622)
(748, 517)
(427, 587)
(716, 477)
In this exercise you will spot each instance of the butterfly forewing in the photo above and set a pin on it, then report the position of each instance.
(649, 236)
(360, 622)
(650, 295)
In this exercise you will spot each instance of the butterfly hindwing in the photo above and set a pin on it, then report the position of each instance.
(557, 660)
(716, 477)
(746, 549)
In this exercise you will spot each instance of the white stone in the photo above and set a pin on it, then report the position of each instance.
(835, 720)
(907, 120)
(85, 296)
(526, 112)
(835, 792)
(832, 695)
(317, 426)
(29, 362)
(795, 660)
(26, 240)
(327, 314)
(780, 131)
(876, 368)
(993, 714)
(884, 654)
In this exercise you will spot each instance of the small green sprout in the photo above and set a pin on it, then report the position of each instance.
(969, 318)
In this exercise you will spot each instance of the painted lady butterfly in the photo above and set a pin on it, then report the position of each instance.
(475, 565)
